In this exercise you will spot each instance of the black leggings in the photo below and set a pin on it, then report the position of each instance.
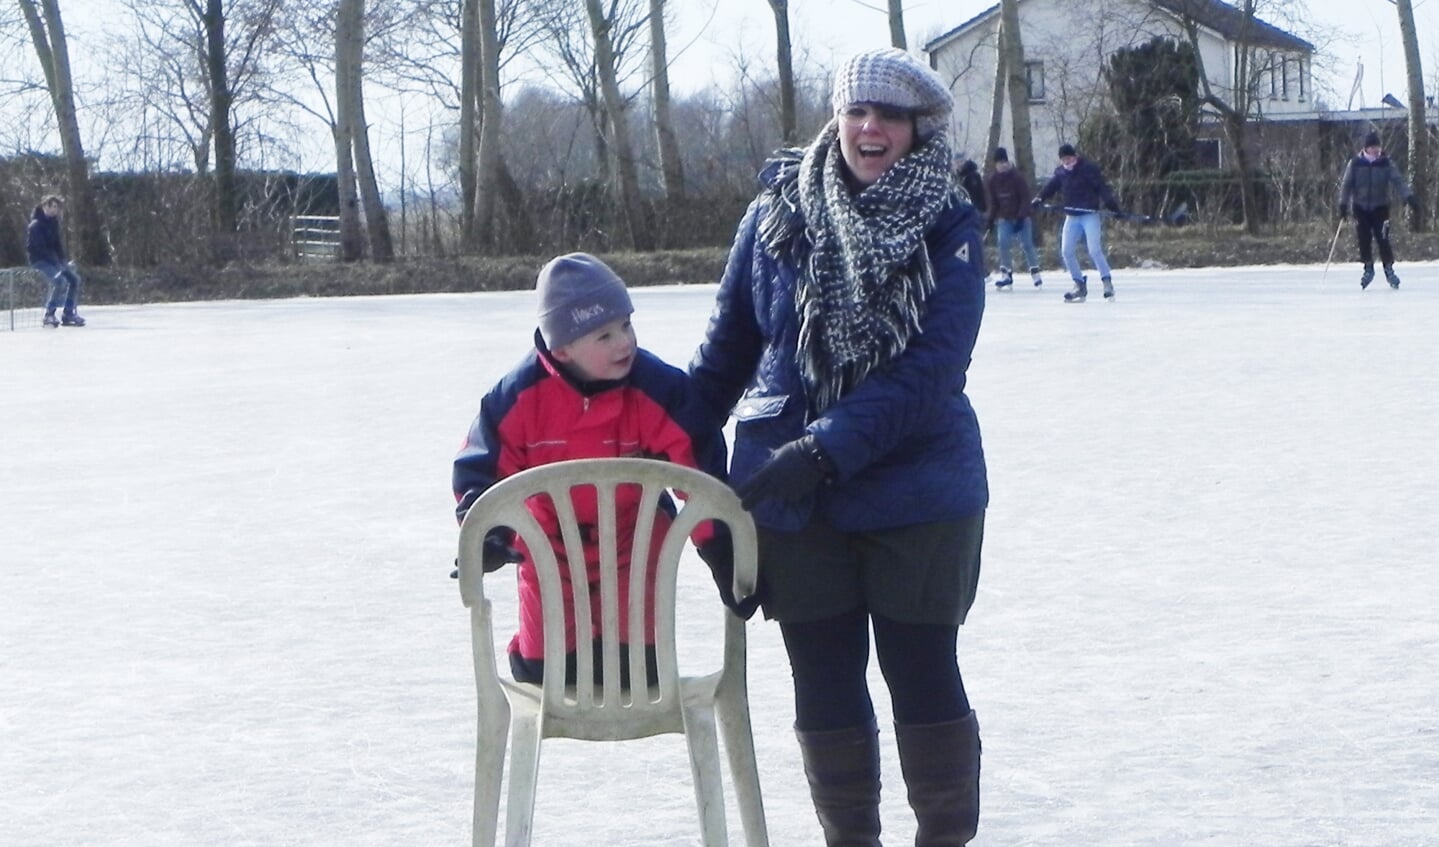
(1373, 224)
(829, 658)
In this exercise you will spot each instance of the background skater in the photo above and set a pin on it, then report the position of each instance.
(1083, 192)
(1364, 188)
(46, 250)
(1010, 214)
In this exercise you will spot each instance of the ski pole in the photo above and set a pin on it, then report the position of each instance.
(1332, 245)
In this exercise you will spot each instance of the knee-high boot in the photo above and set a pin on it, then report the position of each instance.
(843, 771)
(940, 763)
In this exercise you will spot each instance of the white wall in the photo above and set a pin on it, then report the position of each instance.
(1072, 46)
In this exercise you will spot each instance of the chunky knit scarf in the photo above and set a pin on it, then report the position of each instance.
(864, 272)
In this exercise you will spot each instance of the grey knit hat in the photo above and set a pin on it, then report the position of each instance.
(578, 294)
(893, 77)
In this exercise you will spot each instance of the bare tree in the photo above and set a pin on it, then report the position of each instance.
(350, 100)
(47, 32)
(602, 20)
(896, 24)
(784, 67)
(1418, 133)
(348, 52)
(671, 167)
(1017, 83)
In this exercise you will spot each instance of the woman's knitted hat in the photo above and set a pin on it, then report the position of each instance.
(1372, 140)
(892, 77)
(578, 294)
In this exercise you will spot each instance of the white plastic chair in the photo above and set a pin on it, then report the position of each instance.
(603, 711)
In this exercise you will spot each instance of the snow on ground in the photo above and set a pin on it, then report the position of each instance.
(1207, 614)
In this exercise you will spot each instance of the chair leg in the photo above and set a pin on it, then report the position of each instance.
(524, 772)
(738, 735)
(940, 763)
(843, 771)
(489, 772)
(703, 746)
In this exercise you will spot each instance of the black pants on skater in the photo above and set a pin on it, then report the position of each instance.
(1373, 225)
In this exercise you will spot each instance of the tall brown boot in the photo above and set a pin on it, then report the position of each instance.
(940, 762)
(843, 770)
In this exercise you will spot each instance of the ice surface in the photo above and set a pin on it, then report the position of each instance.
(1207, 614)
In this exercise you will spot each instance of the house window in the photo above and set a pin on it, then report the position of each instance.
(1301, 74)
(1206, 153)
(1284, 77)
(1034, 81)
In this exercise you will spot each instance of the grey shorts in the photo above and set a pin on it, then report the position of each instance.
(923, 573)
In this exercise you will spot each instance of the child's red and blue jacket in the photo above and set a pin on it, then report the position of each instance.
(538, 414)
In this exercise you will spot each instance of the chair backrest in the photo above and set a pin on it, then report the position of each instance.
(605, 709)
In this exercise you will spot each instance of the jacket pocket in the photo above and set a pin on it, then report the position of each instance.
(759, 408)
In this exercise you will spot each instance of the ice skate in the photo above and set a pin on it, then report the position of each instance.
(1078, 293)
(71, 319)
(1367, 278)
(1034, 275)
(50, 320)
(1108, 289)
(1006, 279)
(1391, 276)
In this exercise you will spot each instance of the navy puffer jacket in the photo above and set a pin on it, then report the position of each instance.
(42, 239)
(1082, 189)
(1366, 184)
(905, 441)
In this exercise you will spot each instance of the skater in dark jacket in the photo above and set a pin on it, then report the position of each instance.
(46, 251)
(1364, 190)
(1083, 192)
(972, 183)
(1008, 203)
(841, 334)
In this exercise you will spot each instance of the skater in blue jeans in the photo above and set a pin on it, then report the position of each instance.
(1083, 192)
(47, 255)
(1007, 190)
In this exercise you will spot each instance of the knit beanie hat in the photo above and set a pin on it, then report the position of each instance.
(578, 294)
(1066, 150)
(1372, 140)
(892, 77)
(1001, 154)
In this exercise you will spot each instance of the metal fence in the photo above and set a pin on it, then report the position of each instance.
(22, 298)
(315, 238)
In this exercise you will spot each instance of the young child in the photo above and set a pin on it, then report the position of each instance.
(1364, 189)
(585, 391)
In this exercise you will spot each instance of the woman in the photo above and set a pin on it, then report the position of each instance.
(841, 333)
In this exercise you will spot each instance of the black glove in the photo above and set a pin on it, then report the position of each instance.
(1343, 211)
(790, 473)
(1412, 201)
(718, 553)
(1036, 203)
(495, 554)
(1114, 207)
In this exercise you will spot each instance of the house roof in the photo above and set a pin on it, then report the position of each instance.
(1221, 17)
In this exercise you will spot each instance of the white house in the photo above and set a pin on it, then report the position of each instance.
(1066, 44)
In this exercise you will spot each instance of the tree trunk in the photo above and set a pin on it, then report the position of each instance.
(377, 221)
(227, 201)
(488, 165)
(896, 24)
(52, 49)
(347, 57)
(671, 168)
(468, 129)
(1012, 44)
(1418, 134)
(784, 66)
(996, 100)
(620, 143)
